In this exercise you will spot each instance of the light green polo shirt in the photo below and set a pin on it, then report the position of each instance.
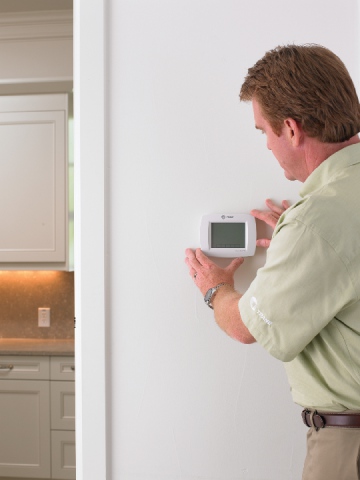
(304, 304)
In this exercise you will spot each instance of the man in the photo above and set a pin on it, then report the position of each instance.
(303, 306)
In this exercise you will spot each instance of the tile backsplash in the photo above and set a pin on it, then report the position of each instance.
(23, 292)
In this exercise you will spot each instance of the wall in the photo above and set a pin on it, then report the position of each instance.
(186, 401)
(23, 292)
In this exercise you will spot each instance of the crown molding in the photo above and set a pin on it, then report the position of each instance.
(36, 25)
(35, 85)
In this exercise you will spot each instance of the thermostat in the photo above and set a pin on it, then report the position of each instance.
(228, 235)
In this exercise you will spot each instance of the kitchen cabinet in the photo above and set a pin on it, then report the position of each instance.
(37, 417)
(24, 417)
(34, 182)
(62, 393)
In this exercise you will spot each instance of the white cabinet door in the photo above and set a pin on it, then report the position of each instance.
(25, 429)
(62, 395)
(62, 405)
(63, 455)
(33, 180)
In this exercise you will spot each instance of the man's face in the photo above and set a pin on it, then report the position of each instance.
(282, 147)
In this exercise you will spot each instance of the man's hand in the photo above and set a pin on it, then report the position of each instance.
(226, 302)
(270, 217)
(206, 274)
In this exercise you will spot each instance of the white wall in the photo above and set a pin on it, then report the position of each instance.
(186, 401)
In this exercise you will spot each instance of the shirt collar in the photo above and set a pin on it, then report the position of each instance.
(330, 167)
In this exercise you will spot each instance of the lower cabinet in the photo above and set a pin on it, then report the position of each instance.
(37, 417)
(62, 418)
(63, 454)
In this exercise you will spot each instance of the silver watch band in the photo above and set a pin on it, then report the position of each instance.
(210, 294)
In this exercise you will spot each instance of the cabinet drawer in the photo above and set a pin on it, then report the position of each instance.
(18, 367)
(62, 405)
(63, 455)
(62, 368)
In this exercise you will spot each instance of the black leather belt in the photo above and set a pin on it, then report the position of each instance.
(313, 418)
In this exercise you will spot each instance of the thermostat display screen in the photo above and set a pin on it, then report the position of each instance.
(228, 235)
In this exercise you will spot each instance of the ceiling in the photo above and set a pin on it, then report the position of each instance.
(7, 6)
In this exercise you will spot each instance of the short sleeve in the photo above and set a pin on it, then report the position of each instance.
(300, 289)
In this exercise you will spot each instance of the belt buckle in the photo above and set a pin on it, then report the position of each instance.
(315, 417)
(305, 412)
(315, 420)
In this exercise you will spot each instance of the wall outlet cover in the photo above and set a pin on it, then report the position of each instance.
(44, 317)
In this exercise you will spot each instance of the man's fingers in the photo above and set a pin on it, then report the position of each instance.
(285, 204)
(273, 207)
(270, 218)
(197, 259)
(202, 258)
(190, 259)
(263, 242)
(259, 214)
(189, 255)
(234, 265)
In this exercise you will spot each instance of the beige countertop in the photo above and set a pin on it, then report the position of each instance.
(36, 346)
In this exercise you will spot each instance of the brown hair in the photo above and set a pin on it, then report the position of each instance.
(309, 84)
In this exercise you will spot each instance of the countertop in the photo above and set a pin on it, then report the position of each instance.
(36, 346)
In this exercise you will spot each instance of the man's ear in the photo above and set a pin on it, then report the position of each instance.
(293, 131)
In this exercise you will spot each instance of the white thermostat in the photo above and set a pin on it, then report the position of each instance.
(228, 235)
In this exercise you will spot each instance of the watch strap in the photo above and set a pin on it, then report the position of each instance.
(211, 292)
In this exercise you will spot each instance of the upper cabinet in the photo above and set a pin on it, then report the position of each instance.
(34, 182)
(36, 47)
(36, 54)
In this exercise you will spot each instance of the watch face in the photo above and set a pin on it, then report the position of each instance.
(208, 295)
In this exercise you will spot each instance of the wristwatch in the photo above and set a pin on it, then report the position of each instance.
(211, 292)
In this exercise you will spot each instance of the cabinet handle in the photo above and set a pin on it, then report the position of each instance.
(6, 367)
(72, 368)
